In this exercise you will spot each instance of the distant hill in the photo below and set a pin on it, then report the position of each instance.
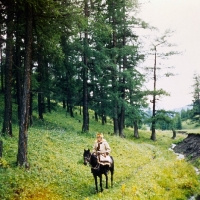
(187, 107)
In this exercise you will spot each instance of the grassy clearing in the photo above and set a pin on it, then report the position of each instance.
(190, 127)
(143, 169)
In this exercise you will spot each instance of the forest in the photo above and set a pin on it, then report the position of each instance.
(83, 56)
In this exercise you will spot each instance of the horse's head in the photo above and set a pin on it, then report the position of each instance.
(86, 156)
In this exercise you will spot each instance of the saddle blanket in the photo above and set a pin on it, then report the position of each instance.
(105, 160)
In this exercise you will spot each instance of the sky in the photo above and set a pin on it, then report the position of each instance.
(182, 17)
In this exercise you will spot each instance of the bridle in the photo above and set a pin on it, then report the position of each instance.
(87, 159)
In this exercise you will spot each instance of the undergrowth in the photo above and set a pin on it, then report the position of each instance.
(144, 169)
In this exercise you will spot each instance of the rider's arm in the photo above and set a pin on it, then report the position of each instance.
(107, 147)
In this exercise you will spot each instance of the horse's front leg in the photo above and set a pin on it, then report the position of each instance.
(106, 180)
(100, 177)
(96, 185)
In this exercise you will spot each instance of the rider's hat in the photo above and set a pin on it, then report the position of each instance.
(99, 135)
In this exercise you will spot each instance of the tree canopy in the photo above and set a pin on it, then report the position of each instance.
(80, 53)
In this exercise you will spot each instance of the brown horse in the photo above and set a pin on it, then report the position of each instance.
(98, 169)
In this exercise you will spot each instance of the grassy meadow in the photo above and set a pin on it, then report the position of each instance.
(190, 127)
(143, 169)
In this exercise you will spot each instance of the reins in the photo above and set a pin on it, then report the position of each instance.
(88, 160)
(97, 166)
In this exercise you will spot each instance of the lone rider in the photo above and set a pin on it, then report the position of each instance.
(102, 149)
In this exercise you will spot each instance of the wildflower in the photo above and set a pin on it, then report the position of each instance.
(134, 189)
(123, 188)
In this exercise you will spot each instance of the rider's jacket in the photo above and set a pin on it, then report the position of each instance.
(101, 147)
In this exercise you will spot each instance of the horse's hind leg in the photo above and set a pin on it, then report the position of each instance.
(111, 179)
(112, 172)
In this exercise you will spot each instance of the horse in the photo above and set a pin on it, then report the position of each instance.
(98, 169)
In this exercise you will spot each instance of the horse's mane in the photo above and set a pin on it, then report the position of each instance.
(93, 160)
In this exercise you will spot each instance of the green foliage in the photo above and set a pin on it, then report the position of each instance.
(168, 120)
(177, 122)
(185, 114)
(143, 169)
(195, 111)
(3, 163)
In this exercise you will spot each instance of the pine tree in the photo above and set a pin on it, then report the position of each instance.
(195, 112)
(156, 93)
(22, 158)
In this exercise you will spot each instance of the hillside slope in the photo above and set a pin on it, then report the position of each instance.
(143, 169)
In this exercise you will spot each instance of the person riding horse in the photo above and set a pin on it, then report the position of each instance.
(102, 150)
(100, 160)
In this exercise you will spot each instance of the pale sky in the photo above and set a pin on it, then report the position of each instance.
(183, 17)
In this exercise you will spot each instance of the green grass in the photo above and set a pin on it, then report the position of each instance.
(143, 169)
(190, 127)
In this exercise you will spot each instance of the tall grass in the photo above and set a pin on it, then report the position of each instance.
(143, 169)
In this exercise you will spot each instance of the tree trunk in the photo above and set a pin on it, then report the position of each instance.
(18, 74)
(7, 124)
(96, 116)
(153, 131)
(64, 103)
(40, 106)
(153, 128)
(46, 72)
(17, 67)
(85, 126)
(174, 134)
(114, 85)
(123, 68)
(71, 111)
(115, 120)
(22, 159)
(103, 119)
(67, 107)
(136, 134)
(31, 109)
(49, 103)
(121, 122)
